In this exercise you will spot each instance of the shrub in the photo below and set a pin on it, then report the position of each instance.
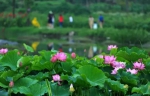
(129, 36)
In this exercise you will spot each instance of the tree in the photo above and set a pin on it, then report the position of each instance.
(13, 9)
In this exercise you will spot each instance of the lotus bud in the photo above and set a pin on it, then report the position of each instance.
(54, 59)
(71, 88)
(11, 84)
(73, 55)
(3, 51)
(56, 77)
(125, 86)
(18, 53)
(20, 64)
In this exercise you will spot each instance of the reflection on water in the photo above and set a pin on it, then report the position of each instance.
(82, 46)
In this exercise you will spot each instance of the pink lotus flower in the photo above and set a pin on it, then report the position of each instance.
(137, 65)
(119, 65)
(133, 71)
(73, 55)
(114, 71)
(54, 58)
(61, 56)
(56, 77)
(111, 47)
(11, 84)
(3, 51)
(109, 59)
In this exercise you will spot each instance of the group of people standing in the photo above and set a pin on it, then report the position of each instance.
(51, 20)
(93, 24)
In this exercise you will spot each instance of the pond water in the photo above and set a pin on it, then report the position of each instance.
(83, 46)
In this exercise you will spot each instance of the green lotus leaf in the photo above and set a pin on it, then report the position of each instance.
(147, 64)
(144, 89)
(28, 48)
(67, 66)
(137, 90)
(24, 60)
(113, 51)
(64, 77)
(129, 79)
(37, 89)
(42, 66)
(115, 85)
(45, 55)
(99, 61)
(59, 90)
(3, 83)
(93, 75)
(10, 74)
(2, 68)
(26, 82)
(80, 80)
(3, 93)
(39, 64)
(10, 60)
(132, 54)
(133, 49)
(39, 76)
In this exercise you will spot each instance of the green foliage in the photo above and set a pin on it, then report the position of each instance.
(3, 6)
(59, 90)
(37, 89)
(132, 54)
(144, 89)
(60, 8)
(28, 48)
(32, 75)
(115, 86)
(10, 60)
(94, 75)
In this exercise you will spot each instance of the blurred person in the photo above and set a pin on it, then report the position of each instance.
(95, 25)
(61, 20)
(60, 48)
(35, 45)
(35, 22)
(53, 20)
(90, 52)
(70, 49)
(50, 21)
(95, 50)
(50, 46)
(70, 20)
(91, 22)
(101, 21)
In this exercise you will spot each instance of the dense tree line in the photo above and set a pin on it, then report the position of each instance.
(124, 5)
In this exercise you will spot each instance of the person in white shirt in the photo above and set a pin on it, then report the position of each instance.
(95, 26)
(70, 20)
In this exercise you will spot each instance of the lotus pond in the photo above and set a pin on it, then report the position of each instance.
(121, 72)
